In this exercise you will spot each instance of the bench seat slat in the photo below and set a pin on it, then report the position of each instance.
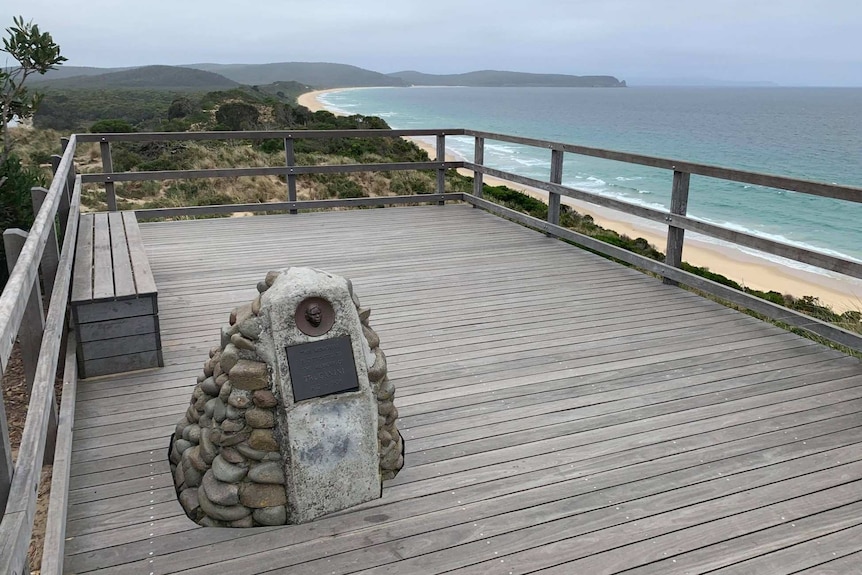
(82, 279)
(103, 277)
(124, 282)
(144, 280)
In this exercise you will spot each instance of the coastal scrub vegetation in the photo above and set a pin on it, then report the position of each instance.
(270, 107)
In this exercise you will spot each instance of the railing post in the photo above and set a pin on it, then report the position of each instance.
(51, 254)
(290, 161)
(478, 159)
(556, 178)
(441, 172)
(678, 206)
(33, 322)
(70, 177)
(108, 167)
(63, 208)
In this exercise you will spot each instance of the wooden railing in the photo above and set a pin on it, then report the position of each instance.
(39, 267)
(39, 252)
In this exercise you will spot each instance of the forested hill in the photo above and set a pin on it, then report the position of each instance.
(320, 75)
(72, 71)
(147, 77)
(499, 78)
(317, 74)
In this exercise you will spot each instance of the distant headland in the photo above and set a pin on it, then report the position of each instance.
(321, 75)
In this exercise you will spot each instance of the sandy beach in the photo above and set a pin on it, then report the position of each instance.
(841, 292)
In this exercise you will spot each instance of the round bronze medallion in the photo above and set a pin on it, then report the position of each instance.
(314, 316)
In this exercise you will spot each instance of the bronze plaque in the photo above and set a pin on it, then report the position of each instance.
(314, 316)
(322, 368)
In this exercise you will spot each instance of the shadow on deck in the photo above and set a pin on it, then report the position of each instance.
(561, 413)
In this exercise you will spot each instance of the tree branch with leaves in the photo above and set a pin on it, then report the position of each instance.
(34, 52)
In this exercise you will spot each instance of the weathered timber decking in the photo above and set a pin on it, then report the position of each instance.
(562, 414)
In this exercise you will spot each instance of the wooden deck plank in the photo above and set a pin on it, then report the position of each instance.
(540, 387)
(744, 524)
(124, 403)
(810, 555)
(712, 362)
(370, 547)
(847, 562)
(351, 519)
(616, 453)
(529, 395)
(791, 531)
(604, 527)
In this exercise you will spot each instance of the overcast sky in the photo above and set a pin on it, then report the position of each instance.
(790, 42)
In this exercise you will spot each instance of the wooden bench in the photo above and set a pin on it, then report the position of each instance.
(114, 298)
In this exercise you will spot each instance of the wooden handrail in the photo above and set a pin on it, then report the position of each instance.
(270, 171)
(264, 135)
(293, 207)
(848, 193)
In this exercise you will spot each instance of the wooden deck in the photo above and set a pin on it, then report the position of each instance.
(562, 414)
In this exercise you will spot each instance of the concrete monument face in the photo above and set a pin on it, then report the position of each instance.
(293, 416)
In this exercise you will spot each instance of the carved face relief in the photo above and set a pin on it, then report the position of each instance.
(314, 316)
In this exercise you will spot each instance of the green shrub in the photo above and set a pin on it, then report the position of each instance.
(16, 205)
(238, 116)
(180, 108)
(270, 146)
(175, 125)
(111, 127)
(412, 182)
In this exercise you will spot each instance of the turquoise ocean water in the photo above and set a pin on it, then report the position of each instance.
(807, 133)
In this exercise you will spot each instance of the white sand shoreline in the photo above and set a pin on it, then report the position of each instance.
(841, 292)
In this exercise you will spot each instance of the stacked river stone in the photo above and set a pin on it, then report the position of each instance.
(228, 466)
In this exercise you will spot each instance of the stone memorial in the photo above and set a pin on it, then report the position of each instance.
(293, 415)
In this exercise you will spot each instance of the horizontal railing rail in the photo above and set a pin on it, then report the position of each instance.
(265, 171)
(265, 135)
(371, 202)
(848, 193)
